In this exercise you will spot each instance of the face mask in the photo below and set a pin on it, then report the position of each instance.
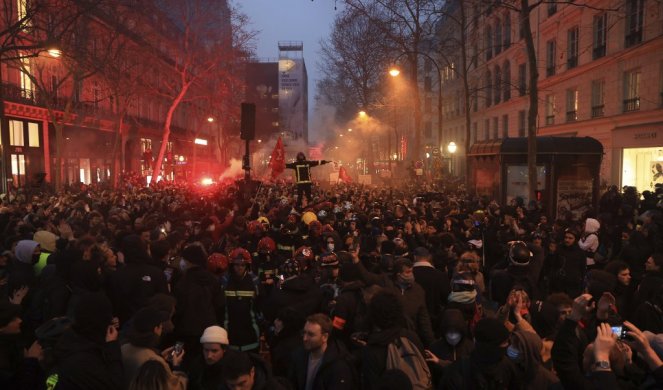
(513, 353)
(183, 265)
(406, 279)
(330, 247)
(453, 338)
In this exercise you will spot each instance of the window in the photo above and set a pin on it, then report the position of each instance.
(550, 109)
(498, 37)
(27, 88)
(598, 86)
(486, 129)
(632, 90)
(507, 30)
(16, 133)
(498, 85)
(145, 145)
(496, 134)
(550, 58)
(475, 99)
(552, 8)
(522, 121)
(489, 43)
(634, 19)
(506, 86)
(33, 135)
(96, 94)
(571, 105)
(505, 126)
(572, 48)
(600, 35)
(489, 89)
(428, 84)
(522, 79)
(18, 168)
(474, 132)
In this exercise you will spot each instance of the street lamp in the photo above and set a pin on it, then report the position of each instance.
(54, 52)
(393, 72)
(452, 147)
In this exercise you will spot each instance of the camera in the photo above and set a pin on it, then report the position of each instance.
(620, 331)
(177, 350)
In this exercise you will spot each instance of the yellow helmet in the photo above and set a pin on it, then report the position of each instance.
(309, 217)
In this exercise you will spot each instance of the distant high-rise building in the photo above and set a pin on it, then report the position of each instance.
(262, 89)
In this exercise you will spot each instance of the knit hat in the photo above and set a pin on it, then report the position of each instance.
(214, 334)
(24, 250)
(46, 240)
(148, 318)
(195, 254)
(491, 331)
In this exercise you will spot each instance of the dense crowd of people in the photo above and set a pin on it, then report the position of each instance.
(358, 287)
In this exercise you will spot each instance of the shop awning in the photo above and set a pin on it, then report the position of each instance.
(544, 145)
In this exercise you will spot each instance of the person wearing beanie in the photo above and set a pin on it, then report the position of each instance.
(143, 339)
(200, 300)
(487, 366)
(205, 370)
(46, 242)
(88, 353)
(21, 270)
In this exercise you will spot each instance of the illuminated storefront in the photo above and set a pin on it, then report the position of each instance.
(638, 154)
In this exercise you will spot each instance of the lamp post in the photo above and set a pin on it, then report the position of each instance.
(451, 148)
(394, 71)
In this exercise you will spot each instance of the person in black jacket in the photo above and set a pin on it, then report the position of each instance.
(322, 363)
(302, 168)
(141, 278)
(88, 355)
(435, 283)
(199, 297)
(569, 265)
(248, 371)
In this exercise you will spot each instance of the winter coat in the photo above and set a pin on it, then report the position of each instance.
(334, 373)
(200, 302)
(262, 377)
(203, 376)
(83, 364)
(437, 287)
(133, 358)
(299, 292)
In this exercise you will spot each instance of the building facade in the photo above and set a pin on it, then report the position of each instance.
(40, 94)
(600, 71)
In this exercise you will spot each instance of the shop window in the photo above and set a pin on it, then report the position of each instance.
(600, 27)
(33, 135)
(571, 105)
(632, 90)
(598, 86)
(642, 168)
(16, 133)
(18, 169)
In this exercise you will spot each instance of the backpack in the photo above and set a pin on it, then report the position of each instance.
(403, 355)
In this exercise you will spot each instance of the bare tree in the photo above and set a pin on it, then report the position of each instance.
(408, 26)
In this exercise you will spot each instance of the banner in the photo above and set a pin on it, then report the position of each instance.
(277, 161)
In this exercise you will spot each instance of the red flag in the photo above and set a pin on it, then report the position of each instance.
(277, 162)
(343, 175)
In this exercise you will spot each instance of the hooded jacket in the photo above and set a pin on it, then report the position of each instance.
(589, 242)
(531, 364)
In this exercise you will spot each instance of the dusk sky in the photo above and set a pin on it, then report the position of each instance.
(292, 20)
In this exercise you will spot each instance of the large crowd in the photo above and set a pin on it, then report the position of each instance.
(420, 287)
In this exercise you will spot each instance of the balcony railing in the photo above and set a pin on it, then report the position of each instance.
(598, 52)
(631, 104)
(597, 111)
(571, 116)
